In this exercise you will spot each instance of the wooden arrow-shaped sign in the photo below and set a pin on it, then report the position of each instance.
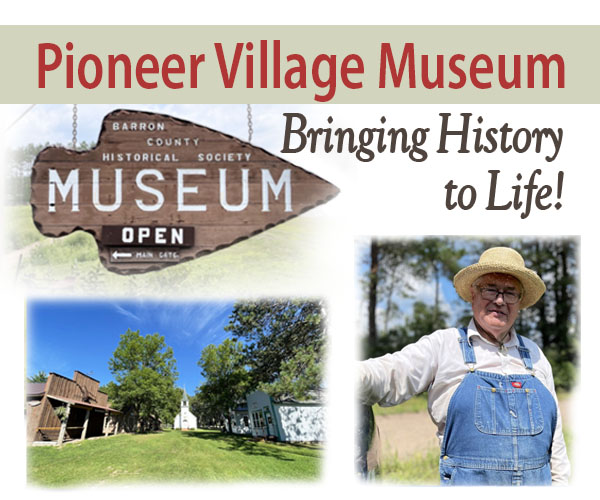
(157, 190)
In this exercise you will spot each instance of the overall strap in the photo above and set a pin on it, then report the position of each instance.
(525, 354)
(467, 349)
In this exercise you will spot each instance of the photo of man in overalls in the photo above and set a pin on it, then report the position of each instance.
(490, 391)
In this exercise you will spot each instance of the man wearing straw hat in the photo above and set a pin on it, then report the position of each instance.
(491, 391)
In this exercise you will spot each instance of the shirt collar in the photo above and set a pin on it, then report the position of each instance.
(472, 332)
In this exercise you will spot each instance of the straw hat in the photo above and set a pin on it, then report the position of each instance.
(505, 261)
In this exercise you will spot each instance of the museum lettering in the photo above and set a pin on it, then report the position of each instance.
(63, 187)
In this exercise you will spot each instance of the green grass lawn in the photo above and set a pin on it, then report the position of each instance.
(171, 456)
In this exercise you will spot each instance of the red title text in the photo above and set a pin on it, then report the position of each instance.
(265, 65)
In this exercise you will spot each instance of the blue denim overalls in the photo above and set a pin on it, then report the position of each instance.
(499, 428)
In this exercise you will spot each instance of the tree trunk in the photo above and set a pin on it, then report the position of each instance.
(373, 279)
(436, 306)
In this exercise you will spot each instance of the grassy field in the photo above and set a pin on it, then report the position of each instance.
(22, 231)
(413, 405)
(70, 264)
(171, 456)
(421, 469)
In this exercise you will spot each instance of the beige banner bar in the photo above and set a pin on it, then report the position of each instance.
(300, 64)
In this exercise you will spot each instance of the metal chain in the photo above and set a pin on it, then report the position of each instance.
(250, 130)
(249, 114)
(74, 126)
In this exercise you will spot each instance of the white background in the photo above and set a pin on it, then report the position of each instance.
(390, 196)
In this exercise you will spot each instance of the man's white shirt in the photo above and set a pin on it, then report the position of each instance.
(435, 364)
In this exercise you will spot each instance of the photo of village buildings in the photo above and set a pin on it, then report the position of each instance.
(224, 391)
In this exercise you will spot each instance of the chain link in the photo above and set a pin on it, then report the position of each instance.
(248, 109)
(250, 129)
(74, 126)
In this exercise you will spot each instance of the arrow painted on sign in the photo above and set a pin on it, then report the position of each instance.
(245, 190)
(116, 255)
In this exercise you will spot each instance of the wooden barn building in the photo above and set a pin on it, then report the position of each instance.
(64, 409)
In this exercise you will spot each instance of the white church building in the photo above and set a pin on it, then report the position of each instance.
(185, 419)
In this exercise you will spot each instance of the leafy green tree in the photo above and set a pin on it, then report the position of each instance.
(273, 332)
(39, 377)
(298, 377)
(386, 281)
(422, 321)
(434, 259)
(226, 378)
(207, 414)
(425, 320)
(276, 346)
(553, 321)
(145, 374)
(400, 266)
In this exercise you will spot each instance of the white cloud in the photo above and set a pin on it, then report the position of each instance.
(121, 310)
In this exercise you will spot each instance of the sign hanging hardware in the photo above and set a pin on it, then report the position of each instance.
(158, 190)
(250, 129)
(74, 142)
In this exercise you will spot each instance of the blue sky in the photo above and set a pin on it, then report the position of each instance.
(63, 336)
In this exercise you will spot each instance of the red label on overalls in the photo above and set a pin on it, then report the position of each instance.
(516, 385)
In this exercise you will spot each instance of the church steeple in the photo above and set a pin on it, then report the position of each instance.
(185, 401)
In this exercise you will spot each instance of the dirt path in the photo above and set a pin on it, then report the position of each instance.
(405, 434)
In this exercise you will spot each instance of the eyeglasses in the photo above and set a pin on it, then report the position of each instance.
(509, 297)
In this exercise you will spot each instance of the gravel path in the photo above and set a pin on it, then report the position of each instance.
(405, 434)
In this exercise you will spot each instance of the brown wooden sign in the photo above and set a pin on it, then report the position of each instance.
(157, 190)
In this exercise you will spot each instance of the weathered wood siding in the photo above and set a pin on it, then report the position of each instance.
(102, 398)
(44, 425)
(48, 423)
(60, 386)
(87, 384)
